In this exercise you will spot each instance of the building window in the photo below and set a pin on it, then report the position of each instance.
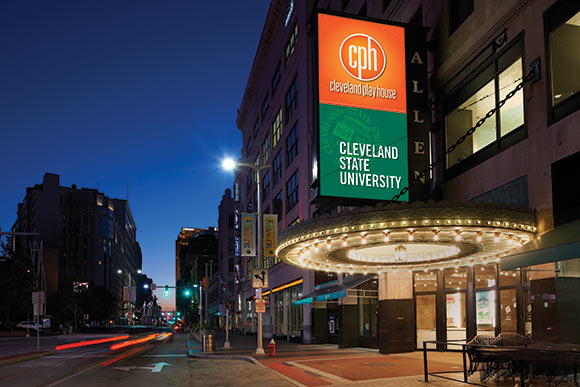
(459, 10)
(277, 204)
(276, 78)
(249, 144)
(291, 42)
(266, 150)
(277, 168)
(477, 98)
(277, 128)
(292, 146)
(249, 181)
(292, 99)
(292, 192)
(257, 127)
(563, 27)
(266, 185)
(265, 105)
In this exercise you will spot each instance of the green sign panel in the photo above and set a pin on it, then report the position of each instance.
(363, 153)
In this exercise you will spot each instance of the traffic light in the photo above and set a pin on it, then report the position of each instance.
(187, 292)
(204, 283)
(166, 290)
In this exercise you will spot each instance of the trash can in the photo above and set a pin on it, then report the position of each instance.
(207, 342)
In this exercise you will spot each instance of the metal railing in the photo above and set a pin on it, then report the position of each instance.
(555, 363)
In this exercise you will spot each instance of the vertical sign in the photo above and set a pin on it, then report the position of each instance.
(249, 235)
(371, 94)
(362, 107)
(270, 235)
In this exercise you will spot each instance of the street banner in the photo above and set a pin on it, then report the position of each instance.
(270, 235)
(248, 235)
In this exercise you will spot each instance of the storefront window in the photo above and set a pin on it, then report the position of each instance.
(425, 281)
(565, 59)
(426, 325)
(508, 313)
(484, 276)
(465, 117)
(485, 312)
(456, 278)
(455, 316)
(511, 115)
(287, 317)
(368, 309)
(507, 278)
(471, 103)
(295, 311)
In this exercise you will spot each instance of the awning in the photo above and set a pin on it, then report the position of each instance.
(558, 244)
(332, 292)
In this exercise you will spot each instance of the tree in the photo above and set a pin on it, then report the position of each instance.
(15, 286)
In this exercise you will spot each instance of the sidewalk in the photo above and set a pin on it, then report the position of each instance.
(326, 364)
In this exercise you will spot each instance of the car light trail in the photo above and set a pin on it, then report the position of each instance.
(90, 342)
(133, 342)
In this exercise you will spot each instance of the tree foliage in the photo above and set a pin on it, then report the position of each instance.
(15, 286)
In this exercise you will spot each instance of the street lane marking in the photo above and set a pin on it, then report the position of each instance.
(157, 367)
(167, 355)
(100, 364)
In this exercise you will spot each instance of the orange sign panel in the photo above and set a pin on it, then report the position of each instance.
(361, 64)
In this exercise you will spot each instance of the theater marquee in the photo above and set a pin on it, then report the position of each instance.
(372, 116)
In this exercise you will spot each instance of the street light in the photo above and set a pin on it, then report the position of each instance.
(230, 164)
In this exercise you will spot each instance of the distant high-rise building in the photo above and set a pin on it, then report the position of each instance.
(195, 257)
(87, 237)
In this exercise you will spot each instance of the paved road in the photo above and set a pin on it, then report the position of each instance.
(163, 363)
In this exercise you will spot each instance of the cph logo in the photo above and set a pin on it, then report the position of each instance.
(362, 57)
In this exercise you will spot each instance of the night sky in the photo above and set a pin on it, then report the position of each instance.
(126, 93)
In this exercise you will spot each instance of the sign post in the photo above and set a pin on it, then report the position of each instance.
(37, 307)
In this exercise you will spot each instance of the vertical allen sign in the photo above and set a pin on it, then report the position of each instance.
(372, 108)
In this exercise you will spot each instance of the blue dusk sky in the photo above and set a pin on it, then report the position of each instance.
(126, 93)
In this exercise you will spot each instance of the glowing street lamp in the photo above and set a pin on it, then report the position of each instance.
(230, 164)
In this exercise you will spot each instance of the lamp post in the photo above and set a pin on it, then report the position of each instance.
(230, 164)
(139, 271)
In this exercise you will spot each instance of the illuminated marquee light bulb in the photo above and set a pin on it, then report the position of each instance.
(328, 243)
(344, 241)
(387, 236)
(364, 239)
(411, 236)
(316, 247)
(458, 235)
(436, 235)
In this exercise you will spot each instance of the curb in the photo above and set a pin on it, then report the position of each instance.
(201, 355)
(19, 359)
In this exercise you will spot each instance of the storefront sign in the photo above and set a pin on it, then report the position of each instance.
(364, 110)
(270, 227)
(249, 235)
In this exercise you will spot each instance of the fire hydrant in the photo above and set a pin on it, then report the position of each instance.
(272, 347)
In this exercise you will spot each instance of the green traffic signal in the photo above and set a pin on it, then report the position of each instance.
(187, 292)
